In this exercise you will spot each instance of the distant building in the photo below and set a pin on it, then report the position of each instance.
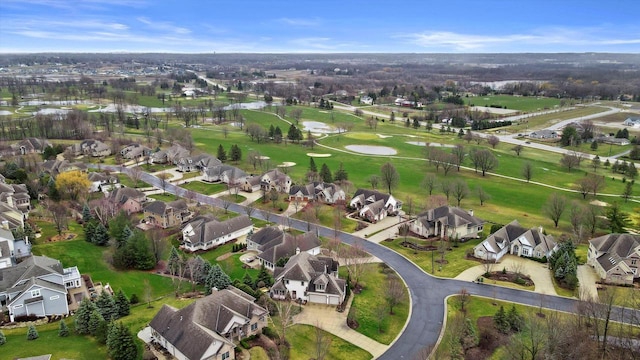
(544, 134)
(273, 244)
(327, 193)
(632, 121)
(367, 100)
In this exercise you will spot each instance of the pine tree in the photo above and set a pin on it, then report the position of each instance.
(272, 131)
(222, 154)
(247, 280)
(263, 277)
(32, 333)
(86, 214)
(106, 306)
(120, 343)
(312, 165)
(89, 231)
(63, 330)
(325, 174)
(174, 261)
(236, 153)
(86, 308)
(94, 322)
(341, 174)
(515, 320)
(3, 339)
(100, 235)
(500, 321)
(217, 279)
(278, 134)
(122, 304)
(102, 331)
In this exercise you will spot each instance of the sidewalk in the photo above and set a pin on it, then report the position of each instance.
(328, 319)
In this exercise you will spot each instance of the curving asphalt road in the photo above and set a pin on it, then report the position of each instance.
(428, 293)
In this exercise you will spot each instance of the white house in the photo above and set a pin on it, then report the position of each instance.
(615, 257)
(633, 121)
(205, 232)
(373, 205)
(273, 244)
(448, 221)
(516, 240)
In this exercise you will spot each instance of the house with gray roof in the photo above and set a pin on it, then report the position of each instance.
(226, 174)
(196, 163)
(447, 221)
(91, 147)
(171, 155)
(208, 327)
(166, 214)
(615, 257)
(12, 250)
(544, 134)
(327, 193)
(101, 182)
(16, 196)
(275, 179)
(128, 199)
(135, 151)
(273, 244)
(633, 121)
(516, 240)
(55, 167)
(374, 206)
(30, 146)
(309, 278)
(38, 285)
(11, 217)
(205, 232)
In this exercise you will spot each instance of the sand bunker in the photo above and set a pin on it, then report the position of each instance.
(318, 155)
(372, 150)
(599, 203)
(383, 136)
(264, 157)
(422, 143)
(5, 113)
(287, 164)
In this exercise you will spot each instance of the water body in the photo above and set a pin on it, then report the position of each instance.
(372, 150)
(318, 127)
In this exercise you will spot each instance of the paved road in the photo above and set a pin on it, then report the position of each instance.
(428, 293)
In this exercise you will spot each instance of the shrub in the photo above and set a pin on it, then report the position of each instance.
(270, 333)
(134, 299)
(245, 344)
(32, 333)
(3, 339)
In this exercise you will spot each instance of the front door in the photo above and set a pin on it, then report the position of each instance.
(294, 295)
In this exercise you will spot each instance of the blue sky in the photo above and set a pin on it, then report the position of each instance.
(206, 26)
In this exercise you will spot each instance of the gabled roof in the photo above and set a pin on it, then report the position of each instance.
(31, 267)
(207, 229)
(615, 247)
(448, 215)
(513, 231)
(313, 270)
(121, 195)
(275, 244)
(193, 329)
(371, 195)
(161, 208)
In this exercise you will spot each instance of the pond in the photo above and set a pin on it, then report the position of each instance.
(422, 143)
(372, 150)
(318, 127)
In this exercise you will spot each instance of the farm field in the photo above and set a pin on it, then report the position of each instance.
(521, 103)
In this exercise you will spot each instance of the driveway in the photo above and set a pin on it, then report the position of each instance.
(588, 282)
(538, 272)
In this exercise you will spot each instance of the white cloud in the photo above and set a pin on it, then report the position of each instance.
(300, 21)
(163, 26)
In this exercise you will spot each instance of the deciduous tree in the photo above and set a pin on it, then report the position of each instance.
(554, 207)
(389, 176)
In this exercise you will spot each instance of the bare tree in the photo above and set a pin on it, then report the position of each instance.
(389, 176)
(285, 311)
(583, 187)
(576, 219)
(493, 141)
(591, 216)
(429, 182)
(571, 161)
(554, 207)
(460, 190)
(135, 174)
(249, 209)
(159, 243)
(355, 259)
(164, 180)
(394, 291)
(483, 196)
(484, 160)
(60, 216)
(322, 342)
(463, 299)
(374, 180)
(517, 149)
(527, 171)
(446, 189)
(459, 154)
(193, 269)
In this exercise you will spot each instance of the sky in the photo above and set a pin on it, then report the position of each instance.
(328, 26)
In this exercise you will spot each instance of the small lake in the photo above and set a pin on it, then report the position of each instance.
(372, 150)
(318, 127)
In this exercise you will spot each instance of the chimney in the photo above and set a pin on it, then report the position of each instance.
(214, 289)
(540, 229)
(5, 225)
(297, 250)
(471, 212)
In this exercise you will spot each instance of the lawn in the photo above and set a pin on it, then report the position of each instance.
(204, 188)
(456, 261)
(234, 198)
(366, 307)
(302, 340)
(522, 103)
(326, 217)
(166, 197)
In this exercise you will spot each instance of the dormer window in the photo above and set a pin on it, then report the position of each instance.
(35, 293)
(320, 287)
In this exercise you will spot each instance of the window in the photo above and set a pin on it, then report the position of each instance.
(254, 327)
(302, 283)
(320, 287)
(525, 251)
(35, 293)
(225, 356)
(633, 261)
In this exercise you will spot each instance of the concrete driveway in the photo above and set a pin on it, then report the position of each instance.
(588, 279)
(538, 272)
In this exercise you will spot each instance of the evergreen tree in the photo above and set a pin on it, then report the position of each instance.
(236, 153)
(81, 320)
(63, 330)
(106, 306)
(94, 322)
(100, 235)
(272, 131)
(102, 331)
(278, 134)
(32, 333)
(516, 321)
(325, 174)
(594, 145)
(263, 277)
(217, 279)
(86, 214)
(117, 225)
(618, 219)
(631, 172)
(312, 165)
(174, 261)
(52, 190)
(500, 321)
(222, 154)
(3, 339)
(341, 173)
(89, 231)
(247, 280)
(120, 343)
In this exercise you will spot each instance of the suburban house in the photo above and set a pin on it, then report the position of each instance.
(309, 278)
(367, 100)
(102, 182)
(208, 327)
(447, 221)
(135, 151)
(11, 218)
(327, 193)
(224, 173)
(544, 134)
(196, 163)
(615, 257)
(30, 146)
(275, 179)
(250, 183)
(15, 196)
(516, 240)
(170, 155)
(205, 232)
(12, 250)
(633, 121)
(374, 206)
(55, 167)
(39, 286)
(127, 199)
(162, 214)
(273, 244)
(613, 140)
(91, 147)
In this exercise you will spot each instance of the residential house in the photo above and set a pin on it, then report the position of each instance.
(516, 240)
(135, 151)
(224, 173)
(128, 199)
(544, 134)
(309, 278)
(170, 155)
(16, 196)
(101, 182)
(447, 221)
(374, 206)
(162, 214)
(37, 286)
(613, 140)
(30, 146)
(275, 179)
(273, 245)
(11, 218)
(367, 100)
(196, 163)
(208, 327)
(205, 232)
(250, 183)
(90, 147)
(615, 257)
(327, 193)
(55, 167)
(632, 121)
(206, 162)
(14, 249)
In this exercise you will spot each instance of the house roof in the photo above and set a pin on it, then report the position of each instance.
(121, 195)
(313, 270)
(448, 215)
(161, 208)
(370, 196)
(314, 189)
(285, 246)
(513, 231)
(193, 329)
(614, 248)
(207, 229)
(31, 267)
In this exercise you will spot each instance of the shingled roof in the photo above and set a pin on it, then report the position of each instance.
(285, 246)
(448, 215)
(207, 228)
(313, 270)
(614, 248)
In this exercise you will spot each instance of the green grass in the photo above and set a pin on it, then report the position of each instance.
(258, 353)
(562, 291)
(204, 188)
(366, 304)
(166, 197)
(302, 339)
(326, 217)
(522, 103)
(456, 261)
(542, 121)
(233, 198)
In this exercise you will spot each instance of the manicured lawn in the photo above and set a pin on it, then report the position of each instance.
(233, 198)
(204, 188)
(326, 216)
(562, 291)
(72, 347)
(166, 197)
(258, 353)
(302, 340)
(366, 305)
(522, 103)
(456, 261)
(542, 121)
